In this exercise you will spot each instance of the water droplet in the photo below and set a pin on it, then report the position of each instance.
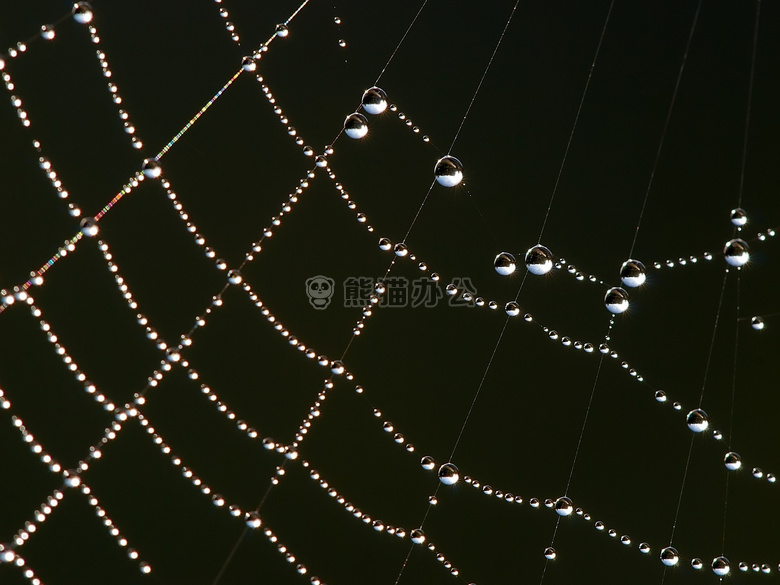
(512, 309)
(337, 367)
(253, 520)
(697, 420)
(669, 556)
(632, 273)
(417, 536)
(757, 323)
(427, 463)
(550, 554)
(385, 244)
(400, 250)
(660, 396)
(248, 64)
(625, 539)
(721, 566)
(356, 126)
(72, 478)
(539, 260)
(737, 252)
(616, 300)
(47, 32)
(321, 161)
(82, 12)
(282, 30)
(448, 171)
(374, 101)
(234, 276)
(504, 264)
(644, 548)
(151, 168)
(342, 43)
(738, 216)
(564, 506)
(337, 20)
(732, 461)
(89, 227)
(696, 564)
(449, 474)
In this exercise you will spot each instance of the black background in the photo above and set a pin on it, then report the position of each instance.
(235, 168)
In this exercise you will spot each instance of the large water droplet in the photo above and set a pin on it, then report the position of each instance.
(616, 300)
(282, 30)
(234, 276)
(697, 420)
(89, 227)
(248, 64)
(736, 252)
(152, 169)
(427, 462)
(448, 171)
(738, 217)
(732, 461)
(564, 506)
(82, 12)
(538, 260)
(632, 273)
(721, 566)
(449, 474)
(417, 536)
(669, 556)
(550, 554)
(505, 264)
(253, 520)
(374, 100)
(512, 309)
(356, 126)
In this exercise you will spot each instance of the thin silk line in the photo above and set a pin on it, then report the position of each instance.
(682, 489)
(666, 126)
(712, 340)
(401, 42)
(749, 103)
(576, 119)
(731, 414)
(484, 74)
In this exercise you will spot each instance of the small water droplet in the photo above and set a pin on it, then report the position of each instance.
(282, 30)
(550, 554)
(757, 323)
(82, 12)
(721, 566)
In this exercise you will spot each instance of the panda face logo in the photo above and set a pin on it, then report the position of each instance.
(320, 289)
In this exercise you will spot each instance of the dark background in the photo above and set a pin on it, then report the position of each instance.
(235, 168)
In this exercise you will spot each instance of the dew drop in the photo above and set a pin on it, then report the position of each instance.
(512, 309)
(82, 12)
(427, 463)
(738, 217)
(448, 171)
(449, 474)
(616, 300)
(89, 227)
(385, 244)
(374, 101)
(732, 461)
(539, 260)
(401, 250)
(721, 566)
(152, 169)
(234, 276)
(282, 30)
(669, 556)
(644, 548)
(696, 564)
(356, 126)
(253, 520)
(632, 273)
(564, 506)
(736, 252)
(248, 64)
(550, 554)
(697, 420)
(47, 32)
(504, 264)
(417, 536)
(757, 323)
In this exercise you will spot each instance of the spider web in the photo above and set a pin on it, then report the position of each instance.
(230, 445)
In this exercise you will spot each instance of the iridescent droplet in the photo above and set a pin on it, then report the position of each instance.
(374, 101)
(669, 556)
(632, 273)
(732, 461)
(736, 252)
(356, 126)
(82, 12)
(539, 260)
(448, 171)
(721, 566)
(697, 420)
(504, 264)
(449, 474)
(564, 506)
(738, 217)
(616, 300)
